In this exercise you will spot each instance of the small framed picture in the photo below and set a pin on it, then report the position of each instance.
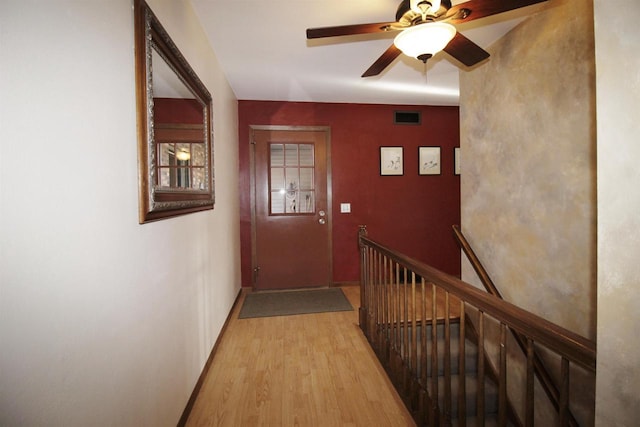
(391, 161)
(456, 161)
(429, 161)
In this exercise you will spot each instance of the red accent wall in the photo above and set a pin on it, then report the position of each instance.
(411, 213)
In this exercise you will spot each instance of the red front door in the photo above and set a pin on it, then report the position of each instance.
(292, 221)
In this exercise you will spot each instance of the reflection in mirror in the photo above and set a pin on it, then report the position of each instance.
(174, 115)
(177, 120)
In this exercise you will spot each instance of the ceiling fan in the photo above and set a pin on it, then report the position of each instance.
(425, 29)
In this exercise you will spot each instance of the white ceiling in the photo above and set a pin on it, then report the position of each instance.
(262, 48)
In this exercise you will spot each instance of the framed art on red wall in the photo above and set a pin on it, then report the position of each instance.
(391, 161)
(429, 161)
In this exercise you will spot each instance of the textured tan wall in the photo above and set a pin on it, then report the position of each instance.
(528, 183)
(618, 108)
(528, 165)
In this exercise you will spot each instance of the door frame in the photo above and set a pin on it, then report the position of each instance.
(252, 184)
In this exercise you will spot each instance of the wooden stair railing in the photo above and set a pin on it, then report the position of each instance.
(402, 298)
(539, 368)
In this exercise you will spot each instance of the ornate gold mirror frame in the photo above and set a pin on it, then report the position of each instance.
(175, 148)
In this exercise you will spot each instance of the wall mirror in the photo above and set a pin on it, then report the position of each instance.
(175, 147)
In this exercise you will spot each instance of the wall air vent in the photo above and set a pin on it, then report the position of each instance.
(406, 117)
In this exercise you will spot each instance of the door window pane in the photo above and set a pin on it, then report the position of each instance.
(291, 179)
(306, 154)
(306, 202)
(306, 178)
(277, 155)
(277, 179)
(291, 154)
(277, 202)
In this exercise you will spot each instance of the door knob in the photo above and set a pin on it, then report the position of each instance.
(322, 221)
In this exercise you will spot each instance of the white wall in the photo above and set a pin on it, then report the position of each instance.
(618, 108)
(102, 321)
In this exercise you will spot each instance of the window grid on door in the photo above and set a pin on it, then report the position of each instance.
(291, 179)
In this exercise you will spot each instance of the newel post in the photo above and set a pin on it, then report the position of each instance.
(362, 232)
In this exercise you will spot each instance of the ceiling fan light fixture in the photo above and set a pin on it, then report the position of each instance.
(425, 40)
(424, 6)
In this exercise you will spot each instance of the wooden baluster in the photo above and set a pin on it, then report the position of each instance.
(564, 392)
(392, 330)
(381, 315)
(529, 399)
(380, 307)
(392, 318)
(391, 307)
(462, 371)
(408, 332)
(502, 378)
(363, 282)
(385, 312)
(389, 310)
(423, 333)
(374, 302)
(480, 397)
(401, 323)
(380, 294)
(405, 294)
(368, 293)
(398, 311)
(374, 288)
(434, 354)
(447, 359)
(365, 297)
(423, 356)
(414, 327)
(400, 339)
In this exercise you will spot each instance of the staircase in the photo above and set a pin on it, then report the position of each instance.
(449, 384)
(413, 316)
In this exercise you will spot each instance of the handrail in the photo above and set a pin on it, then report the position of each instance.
(540, 370)
(475, 262)
(566, 343)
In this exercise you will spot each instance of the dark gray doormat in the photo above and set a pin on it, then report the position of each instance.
(286, 303)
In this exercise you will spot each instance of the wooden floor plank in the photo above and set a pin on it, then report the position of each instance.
(304, 370)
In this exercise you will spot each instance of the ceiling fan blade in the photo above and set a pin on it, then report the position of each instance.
(484, 8)
(466, 51)
(348, 30)
(383, 62)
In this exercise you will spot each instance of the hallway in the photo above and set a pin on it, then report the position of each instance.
(305, 370)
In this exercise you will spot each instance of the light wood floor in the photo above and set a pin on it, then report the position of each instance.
(306, 370)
